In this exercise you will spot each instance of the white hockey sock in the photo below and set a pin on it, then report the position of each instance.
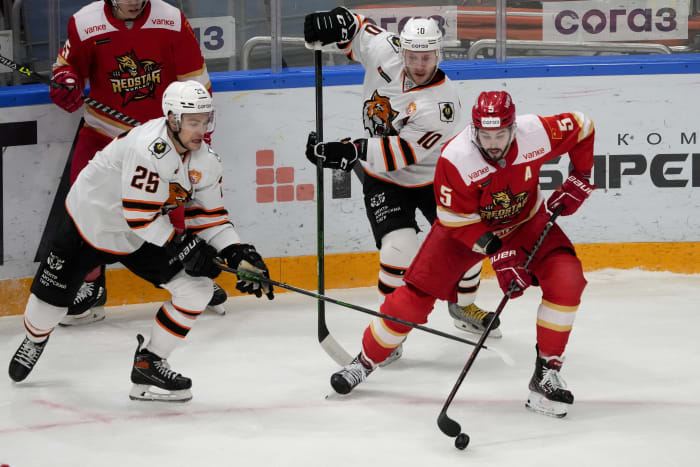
(398, 250)
(171, 326)
(40, 318)
(468, 285)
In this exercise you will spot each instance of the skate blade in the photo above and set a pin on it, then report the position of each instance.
(540, 404)
(93, 315)
(393, 356)
(218, 309)
(459, 324)
(144, 392)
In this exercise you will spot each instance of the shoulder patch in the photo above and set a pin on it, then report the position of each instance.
(159, 148)
(447, 111)
(195, 176)
(395, 43)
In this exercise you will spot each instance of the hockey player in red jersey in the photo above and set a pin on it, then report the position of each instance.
(128, 51)
(411, 109)
(490, 204)
(115, 214)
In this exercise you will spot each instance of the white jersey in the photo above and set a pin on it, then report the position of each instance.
(407, 124)
(120, 200)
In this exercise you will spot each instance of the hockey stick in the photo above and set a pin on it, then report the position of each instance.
(246, 275)
(26, 71)
(329, 344)
(446, 424)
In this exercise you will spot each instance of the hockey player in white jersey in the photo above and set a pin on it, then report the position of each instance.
(116, 213)
(411, 110)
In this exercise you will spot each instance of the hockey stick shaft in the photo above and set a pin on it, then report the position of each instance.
(328, 343)
(26, 71)
(445, 423)
(318, 296)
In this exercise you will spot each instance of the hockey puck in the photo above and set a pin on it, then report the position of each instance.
(462, 441)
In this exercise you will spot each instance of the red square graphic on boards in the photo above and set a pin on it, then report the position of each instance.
(265, 176)
(265, 194)
(305, 192)
(285, 192)
(265, 158)
(285, 175)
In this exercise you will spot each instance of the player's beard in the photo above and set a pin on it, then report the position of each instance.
(123, 11)
(425, 81)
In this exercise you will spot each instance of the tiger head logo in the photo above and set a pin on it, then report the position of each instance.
(178, 195)
(378, 115)
(502, 198)
(128, 64)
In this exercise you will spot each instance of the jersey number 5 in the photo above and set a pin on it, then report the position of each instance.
(445, 195)
(565, 124)
(145, 180)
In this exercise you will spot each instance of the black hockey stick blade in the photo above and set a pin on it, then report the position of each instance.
(447, 425)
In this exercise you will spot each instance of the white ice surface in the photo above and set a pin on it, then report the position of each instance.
(260, 381)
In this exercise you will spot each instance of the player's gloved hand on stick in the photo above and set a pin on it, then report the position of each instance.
(487, 244)
(342, 154)
(244, 258)
(327, 27)
(509, 267)
(68, 92)
(572, 193)
(195, 255)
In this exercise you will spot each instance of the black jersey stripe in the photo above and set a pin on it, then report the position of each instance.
(407, 150)
(388, 154)
(141, 205)
(141, 223)
(196, 212)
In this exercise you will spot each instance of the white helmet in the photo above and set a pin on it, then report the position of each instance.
(420, 35)
(188, 97)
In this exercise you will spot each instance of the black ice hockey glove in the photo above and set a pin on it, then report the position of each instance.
(244, 258)
(195, 255)
(341, 154)
(337, 25)
(487, 244)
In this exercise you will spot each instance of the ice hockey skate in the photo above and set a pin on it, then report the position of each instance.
(548, 393)
(216, 304)
(154, 380)
(473, 319)
(88, 305)
(25, 358)
(351, 375)
(393, 356)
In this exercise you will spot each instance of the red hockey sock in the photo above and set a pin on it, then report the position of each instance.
(382, 336)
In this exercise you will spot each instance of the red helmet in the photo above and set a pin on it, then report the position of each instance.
(493, 110)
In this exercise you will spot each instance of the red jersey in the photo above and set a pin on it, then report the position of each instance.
(130, 63)
(475, 195)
